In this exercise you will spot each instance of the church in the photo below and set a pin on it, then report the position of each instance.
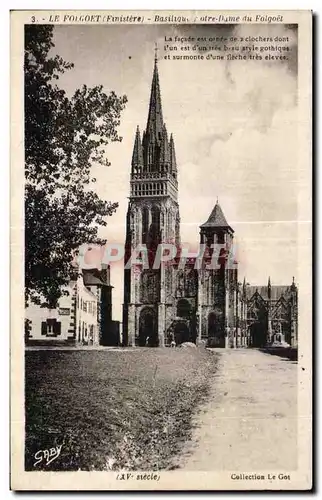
(191, 303)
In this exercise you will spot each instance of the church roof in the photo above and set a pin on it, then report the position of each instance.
(276, 291)
(216, 218)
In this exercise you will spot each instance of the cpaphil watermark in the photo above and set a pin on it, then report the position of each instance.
(143, 256)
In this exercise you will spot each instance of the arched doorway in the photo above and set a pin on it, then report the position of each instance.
(181, 332)
(258, 333)
(148, 328)
(257, 318)
(185, 328)
(216, 329)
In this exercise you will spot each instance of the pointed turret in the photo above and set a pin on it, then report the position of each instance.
(244, 288)
(155, 118)
(269, 288)
(216, 219)
(173, 161)
(137, 157)
(216, 229)
(293, 285)
(165, 149)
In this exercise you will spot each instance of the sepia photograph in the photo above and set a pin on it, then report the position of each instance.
(166, 186)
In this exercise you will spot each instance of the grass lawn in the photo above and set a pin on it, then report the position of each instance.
(113, 409)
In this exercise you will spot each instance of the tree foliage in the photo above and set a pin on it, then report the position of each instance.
(64, 137)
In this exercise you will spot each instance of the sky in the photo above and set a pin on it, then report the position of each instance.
(235, 127)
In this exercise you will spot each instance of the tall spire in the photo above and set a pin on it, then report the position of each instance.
(156, 52)
(155, 118)
(154, 156)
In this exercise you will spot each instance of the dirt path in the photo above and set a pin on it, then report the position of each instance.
(249, 423)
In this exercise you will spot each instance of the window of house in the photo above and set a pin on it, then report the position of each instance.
(51, 327)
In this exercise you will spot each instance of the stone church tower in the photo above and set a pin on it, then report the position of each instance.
(152, 218)
(218, 288)
(202, 299)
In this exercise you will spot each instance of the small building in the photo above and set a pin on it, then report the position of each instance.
(83, 315)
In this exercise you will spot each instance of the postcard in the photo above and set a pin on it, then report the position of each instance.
(161, 246)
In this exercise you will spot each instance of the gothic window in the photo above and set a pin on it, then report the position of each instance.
(190, 283)
(149, 287)
(218, 288)
(155, 213)
(183, 308)
(210, 239)
(145, 224)
(170, 218)
(221, 237)
(180, 283)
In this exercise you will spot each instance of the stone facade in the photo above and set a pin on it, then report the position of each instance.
(268, 314)
(170, 303)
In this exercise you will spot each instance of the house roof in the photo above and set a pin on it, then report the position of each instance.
(93, 277)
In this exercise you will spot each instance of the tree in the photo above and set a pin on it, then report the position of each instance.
(64, 137)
